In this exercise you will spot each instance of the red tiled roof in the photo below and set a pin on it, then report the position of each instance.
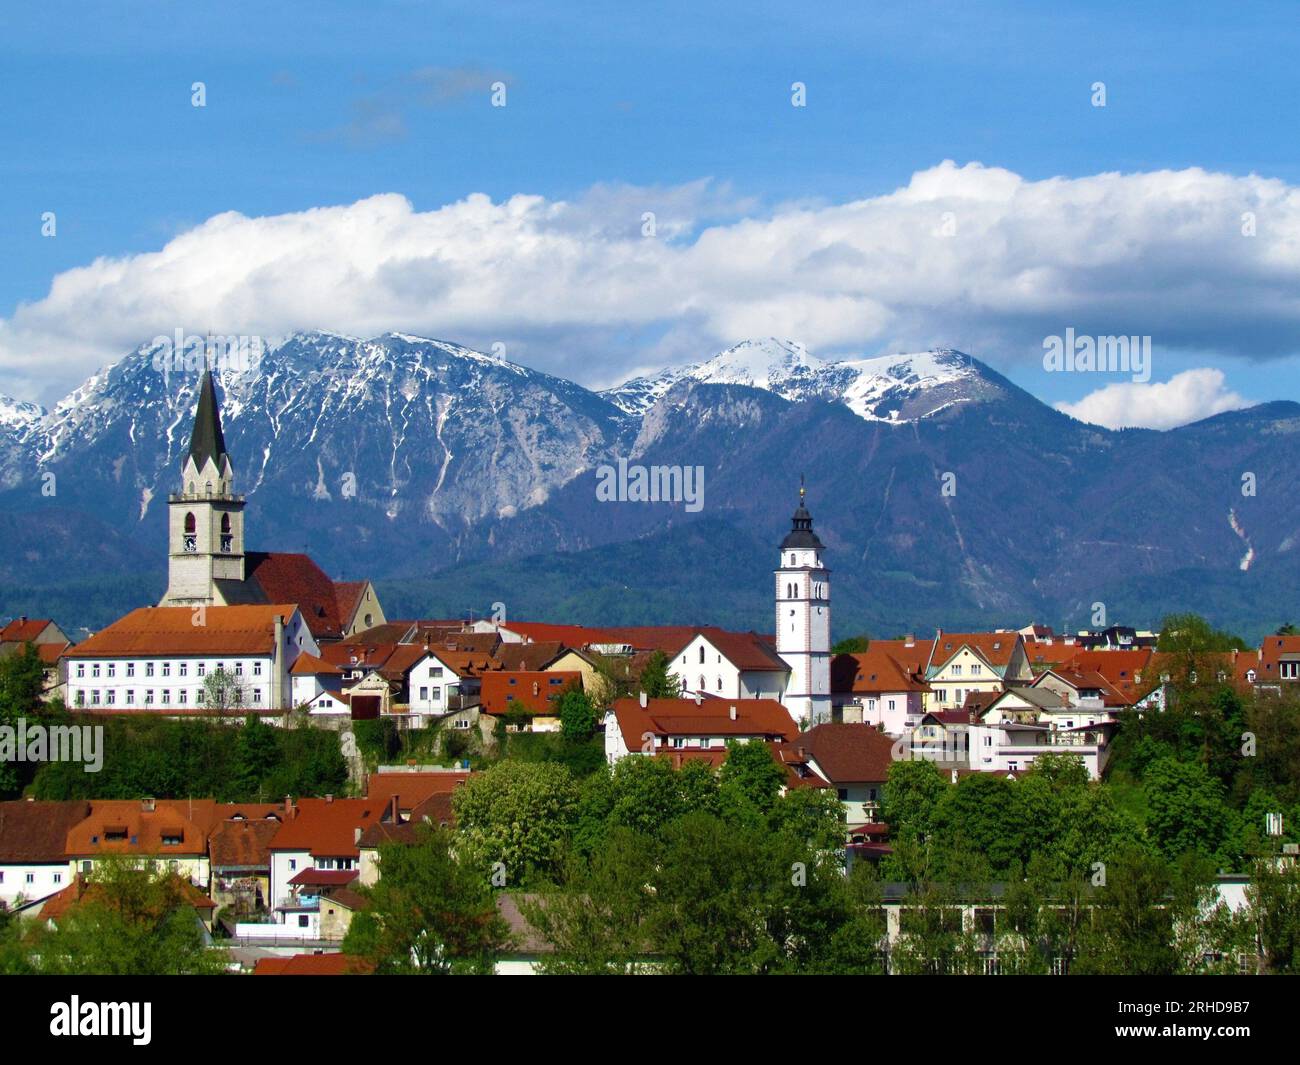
(327, 827)
(325, 877)
(709, 718)
(412, 789)
(37, 832)
(850, 754)
(50, 653)
(747, 650)
(137, 830)
(872, 671)
(295, 578)
(243, 843)
(996, 648)
(309, 665)
(530, 656)
(347, 594)
(1119, 669)
(911, 655)
(171, 630)
(24, 630)
(535, 691)
(793, 758)
(312, 965)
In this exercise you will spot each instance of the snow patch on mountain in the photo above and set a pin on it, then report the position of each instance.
(888, 388)
(17, 415)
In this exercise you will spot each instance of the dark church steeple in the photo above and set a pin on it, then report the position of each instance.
(801, 531)
(206, 442)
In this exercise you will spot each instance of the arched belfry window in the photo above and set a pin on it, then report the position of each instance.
(227, 539)
(191, 540)
(209, 488)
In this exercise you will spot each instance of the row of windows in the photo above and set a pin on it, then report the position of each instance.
(818, 591)
(975, 670)
(30, 878)
(162, 669)
(109, 697)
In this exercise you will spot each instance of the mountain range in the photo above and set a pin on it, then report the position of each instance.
(946, 495)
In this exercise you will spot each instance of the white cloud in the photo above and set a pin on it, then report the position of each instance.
(576, 288)
(1185, 397)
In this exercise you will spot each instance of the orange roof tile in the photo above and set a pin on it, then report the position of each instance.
(326, 828)
(171, 630)
(708, 718)
(312, 965)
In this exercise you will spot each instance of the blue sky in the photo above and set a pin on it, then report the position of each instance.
(313, 105)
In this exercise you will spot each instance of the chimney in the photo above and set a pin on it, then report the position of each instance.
(394, 810)
(733, 713)
(288, 806)
(803, 754)
(329, 798)
(644, 700)
(699, 698)
(356, 834)
(909, 640)
(147, 805)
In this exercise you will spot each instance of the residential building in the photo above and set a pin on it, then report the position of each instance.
(159, 659)
(875, 688)
(855, 761)
(963, 662)
(658, 726)
(33, 848)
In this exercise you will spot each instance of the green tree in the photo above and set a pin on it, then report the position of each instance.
(1273, 898)
(1131, 927)
(912, 791)
(656, 680)
(852, 645)
(647, 794)
(257, 750)
(519, 814)
(431, 912)
(1185, 809)
(577, 714)
(750, 780)
(598, 918)
(712, 886)
(129, 922)
(22, 679)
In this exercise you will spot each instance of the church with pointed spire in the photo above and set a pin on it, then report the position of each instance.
(205, 527)
(208, 565)
(803, 618)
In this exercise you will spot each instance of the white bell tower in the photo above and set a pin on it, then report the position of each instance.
(803, 619)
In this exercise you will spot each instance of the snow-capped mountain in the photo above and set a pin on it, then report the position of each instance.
(903, 387)
(463, 479)
(17, 415)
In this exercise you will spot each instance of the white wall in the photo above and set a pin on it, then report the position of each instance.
(46, 879)
(182, 676)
